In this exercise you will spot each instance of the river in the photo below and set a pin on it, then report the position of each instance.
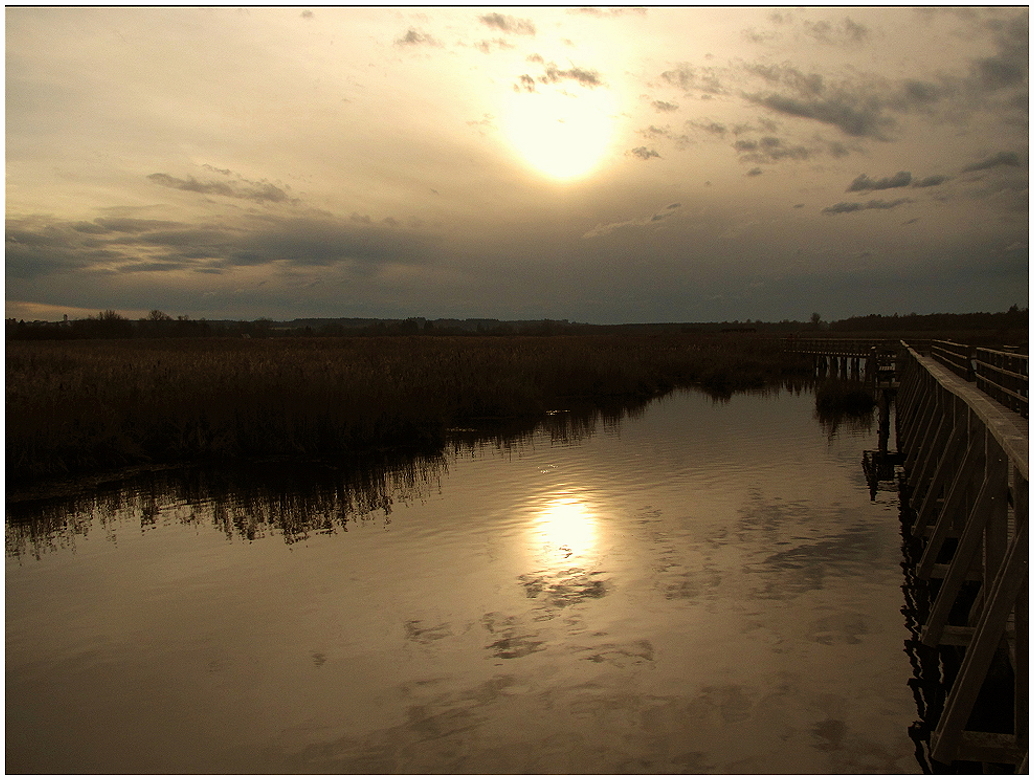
(700, 587)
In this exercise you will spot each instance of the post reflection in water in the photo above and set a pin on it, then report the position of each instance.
(670, 593)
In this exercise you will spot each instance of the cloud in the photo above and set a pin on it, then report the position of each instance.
(247, 190)
(485, 47)
(679, 139)
(587, 78)
(851, 114)
(663, 105)
(847, 208)
(660, 216)
(39, 247)
(643, 153)
(847, 32)
(552, 74)
(769, 149)
(754, 172)
(508, 24)
(416, 38)
(1010, 66)
(690, 79)
(1010, 159)
(714, 128)
(857, 110)
(863, 182)
(930, 181)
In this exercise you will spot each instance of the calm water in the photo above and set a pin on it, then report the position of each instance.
(701, 588)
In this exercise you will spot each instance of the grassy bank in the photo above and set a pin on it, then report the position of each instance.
(74, 407)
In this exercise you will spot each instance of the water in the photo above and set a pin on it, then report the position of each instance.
(703, 587)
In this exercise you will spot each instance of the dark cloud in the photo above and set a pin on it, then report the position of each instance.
(681, 140)
(663, 105)
(1010, 66)
(852, 114)
(1010, 159)
(247, 190)
(643, 153)
(930, 181)
(857, 110)
(847, 32)
(552, 74)
(863, 182)
(769, 149)
(36, 247)
(660, 216)
(527, 83)
(485, 47)
(714, 128)
(416, 38)
(847, 208)
(754, 172)
(920, 94)
(690, 79)
(837, 149)
(508, 24)
(587, 78)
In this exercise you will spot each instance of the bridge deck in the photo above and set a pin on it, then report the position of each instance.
(1008, 428)
(966, 465)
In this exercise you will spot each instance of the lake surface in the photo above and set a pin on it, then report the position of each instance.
(704, 587)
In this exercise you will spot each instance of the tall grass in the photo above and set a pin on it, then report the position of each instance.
(79, 406)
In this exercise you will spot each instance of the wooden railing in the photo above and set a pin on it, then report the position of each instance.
(958, 358)
(1004, 377)
(838, 347)
(967, 472)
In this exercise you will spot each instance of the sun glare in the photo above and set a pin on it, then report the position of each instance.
(562, 134)
(566, 526)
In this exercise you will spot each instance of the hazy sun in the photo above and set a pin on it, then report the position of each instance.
(562, 134)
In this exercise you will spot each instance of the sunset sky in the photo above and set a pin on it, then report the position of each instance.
(597, 165)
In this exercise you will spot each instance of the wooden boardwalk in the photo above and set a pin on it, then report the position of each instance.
(966, 472)
(963, 448)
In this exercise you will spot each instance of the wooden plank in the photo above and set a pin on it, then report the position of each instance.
(987, 747)
(969, 545)
(1008, 428)
(962, 636)
(963, 694)
(939, 481)
(951, 508)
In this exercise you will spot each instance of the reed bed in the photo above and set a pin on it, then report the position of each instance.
(90, 405)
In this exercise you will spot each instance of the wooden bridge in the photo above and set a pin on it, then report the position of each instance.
(962, 441)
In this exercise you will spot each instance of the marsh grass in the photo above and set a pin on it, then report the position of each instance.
(80, 406)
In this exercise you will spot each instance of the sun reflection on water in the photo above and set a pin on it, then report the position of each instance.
(566, 527)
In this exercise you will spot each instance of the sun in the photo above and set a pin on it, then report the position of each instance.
(561, 133)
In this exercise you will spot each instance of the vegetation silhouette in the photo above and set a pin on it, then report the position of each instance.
(78, 406)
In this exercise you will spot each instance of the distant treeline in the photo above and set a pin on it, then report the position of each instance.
(113, 325)
(1013, 319)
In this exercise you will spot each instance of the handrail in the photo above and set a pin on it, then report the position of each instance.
(967, 472)
(1003, 376)
(958, 358)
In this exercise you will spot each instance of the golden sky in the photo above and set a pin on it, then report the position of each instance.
(598, 165)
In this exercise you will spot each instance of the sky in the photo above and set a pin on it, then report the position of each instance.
(601, 165)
